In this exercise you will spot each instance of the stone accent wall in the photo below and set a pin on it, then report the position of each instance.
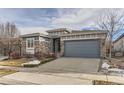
(42, 47)
(62, 48)
(23, 49)
(37, 46)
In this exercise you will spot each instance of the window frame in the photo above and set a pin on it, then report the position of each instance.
(30, 43)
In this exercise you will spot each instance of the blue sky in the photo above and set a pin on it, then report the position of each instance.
(38, 20)
(30, 20)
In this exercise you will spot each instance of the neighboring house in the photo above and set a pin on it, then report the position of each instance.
(118, 44)
(68, 43)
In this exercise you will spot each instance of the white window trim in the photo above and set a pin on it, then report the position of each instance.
(27, 43)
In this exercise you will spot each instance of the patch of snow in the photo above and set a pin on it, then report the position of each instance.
(3, 57)
(116, 70)
(105, 65)
(34, 62)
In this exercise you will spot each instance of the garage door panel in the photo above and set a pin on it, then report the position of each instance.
(82, 48)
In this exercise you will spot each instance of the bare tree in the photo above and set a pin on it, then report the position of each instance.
(8, 30)
(8, 37)
(19, 45)
(112, 21)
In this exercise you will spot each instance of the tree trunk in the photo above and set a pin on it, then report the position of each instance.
(4, 51)
(110, 49)
(20, 51)
(110, 54)
(9, 54)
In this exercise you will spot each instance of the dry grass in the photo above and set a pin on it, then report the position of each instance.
(98, 82)
(6, 72)
(13, 62)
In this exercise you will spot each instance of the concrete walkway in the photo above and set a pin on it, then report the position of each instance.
(115, 79)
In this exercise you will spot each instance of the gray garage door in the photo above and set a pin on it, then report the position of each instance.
(82, 48)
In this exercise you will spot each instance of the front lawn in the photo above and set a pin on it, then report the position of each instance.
(13, 62)
(6, 72)
(23, 62)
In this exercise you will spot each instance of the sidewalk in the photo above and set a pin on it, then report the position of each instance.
(45, 79)
(5, 81)
(21, 78)
(115, 79)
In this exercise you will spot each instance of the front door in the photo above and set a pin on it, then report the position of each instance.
(56, 45)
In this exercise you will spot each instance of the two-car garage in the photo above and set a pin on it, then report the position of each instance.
(89, 48)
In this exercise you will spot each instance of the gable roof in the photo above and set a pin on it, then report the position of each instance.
(119, 38)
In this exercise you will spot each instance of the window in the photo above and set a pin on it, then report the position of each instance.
(36, 38)
(87, 35)
(82, 36)
(93, 35)
(72, 36)
(30, 42)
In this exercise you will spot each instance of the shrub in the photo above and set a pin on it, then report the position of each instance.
(40, 55)
(51, 55)
(29, 55)
(15, 55)
(47, 60)
(30, 65)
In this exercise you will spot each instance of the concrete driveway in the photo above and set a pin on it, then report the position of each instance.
(68, 65)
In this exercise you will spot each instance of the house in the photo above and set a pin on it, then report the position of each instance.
(66, 42)
(118, 45)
